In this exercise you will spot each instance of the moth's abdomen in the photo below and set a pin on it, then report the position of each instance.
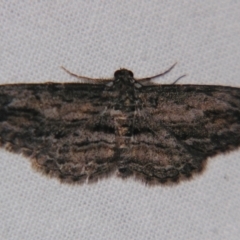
(123, 125)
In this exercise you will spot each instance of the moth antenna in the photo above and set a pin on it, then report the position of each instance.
(158, 75)
(179, 79)
(94, 80)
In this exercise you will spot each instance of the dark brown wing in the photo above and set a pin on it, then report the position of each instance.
(53, 124)
(177, 127)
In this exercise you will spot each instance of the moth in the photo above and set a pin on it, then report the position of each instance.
(81, 132)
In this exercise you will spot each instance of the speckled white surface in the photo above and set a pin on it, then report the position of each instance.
(94, 39)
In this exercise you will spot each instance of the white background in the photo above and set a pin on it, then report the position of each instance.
(95, 38)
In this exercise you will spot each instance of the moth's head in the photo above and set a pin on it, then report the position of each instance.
(124, 76)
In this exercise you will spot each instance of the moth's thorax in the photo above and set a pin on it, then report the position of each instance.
(123, 105)
(123, 90)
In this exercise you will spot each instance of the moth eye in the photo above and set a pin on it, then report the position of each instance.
(130, 73)
(116, 74)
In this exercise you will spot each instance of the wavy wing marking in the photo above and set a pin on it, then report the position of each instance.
(177, 127)
(53, 124)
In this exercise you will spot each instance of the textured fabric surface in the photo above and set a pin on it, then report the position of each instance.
(94, 39)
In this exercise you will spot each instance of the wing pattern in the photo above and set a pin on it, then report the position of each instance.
(180, 126)
(82, 132)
